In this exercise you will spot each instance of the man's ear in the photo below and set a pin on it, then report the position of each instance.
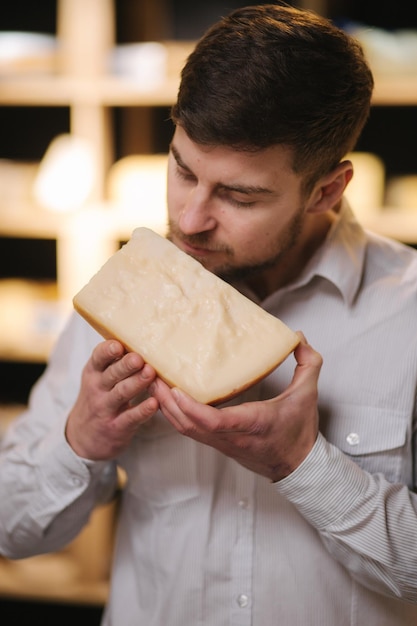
(329, 189)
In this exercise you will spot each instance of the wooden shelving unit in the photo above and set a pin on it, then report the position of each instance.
(84, 239)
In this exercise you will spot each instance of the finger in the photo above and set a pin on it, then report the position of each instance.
(307, 358)
(106, 353)
(127, 389)
(130, 419)
(185, 414)
(256, 416)
(191, 417)
(166, 399)
(121, 369)
(303, 389)
(160, 390)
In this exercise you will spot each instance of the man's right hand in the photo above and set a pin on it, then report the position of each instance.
(105, 416)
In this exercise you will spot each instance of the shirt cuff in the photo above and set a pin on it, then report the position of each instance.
(325, 486)
(63, 469)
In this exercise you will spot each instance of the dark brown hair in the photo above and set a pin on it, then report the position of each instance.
(274, 74)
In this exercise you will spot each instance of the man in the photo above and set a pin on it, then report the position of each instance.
(279, 508)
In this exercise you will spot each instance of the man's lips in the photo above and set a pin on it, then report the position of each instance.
(195, 250)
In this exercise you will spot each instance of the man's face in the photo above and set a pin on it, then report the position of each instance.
(236, 212)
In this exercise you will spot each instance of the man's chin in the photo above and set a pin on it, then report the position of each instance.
(232, 274)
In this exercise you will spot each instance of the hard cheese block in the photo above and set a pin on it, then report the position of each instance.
(199, 333)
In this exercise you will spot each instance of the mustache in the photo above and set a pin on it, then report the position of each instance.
(197, 240)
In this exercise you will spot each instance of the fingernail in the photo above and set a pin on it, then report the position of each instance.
(177, 393)
(114, 348)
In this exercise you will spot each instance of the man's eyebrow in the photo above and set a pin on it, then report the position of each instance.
(178, 158)
(246, 189)
(243, 189)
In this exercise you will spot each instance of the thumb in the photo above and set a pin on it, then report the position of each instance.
(309, 363)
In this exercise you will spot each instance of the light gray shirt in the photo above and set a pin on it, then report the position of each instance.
(201, 540)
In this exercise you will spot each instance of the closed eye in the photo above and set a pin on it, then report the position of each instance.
(252, 193)
(241, 204)
(184, 174)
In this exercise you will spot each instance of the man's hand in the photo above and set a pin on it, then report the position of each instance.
(105, 416)
(270, 437)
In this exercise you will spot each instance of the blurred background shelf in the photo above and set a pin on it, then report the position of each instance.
(66, 91)
(395, 90)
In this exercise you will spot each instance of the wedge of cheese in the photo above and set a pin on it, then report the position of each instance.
(199, 333)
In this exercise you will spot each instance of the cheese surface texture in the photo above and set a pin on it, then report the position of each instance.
(198, 332)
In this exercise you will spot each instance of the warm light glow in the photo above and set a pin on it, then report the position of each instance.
(66, 175)
(137, 185)
(365, 192)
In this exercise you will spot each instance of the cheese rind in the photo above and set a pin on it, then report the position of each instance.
(198, 332)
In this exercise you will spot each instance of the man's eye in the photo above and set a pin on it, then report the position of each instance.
(184, 174)
(240, 204)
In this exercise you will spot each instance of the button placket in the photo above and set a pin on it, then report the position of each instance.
(242, 562)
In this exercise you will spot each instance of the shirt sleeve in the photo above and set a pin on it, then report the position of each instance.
(47, 492)
(366, 523)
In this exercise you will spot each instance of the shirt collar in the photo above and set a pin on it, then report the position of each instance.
(340, 259)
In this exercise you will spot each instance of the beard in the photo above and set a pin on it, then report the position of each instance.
(275, 253)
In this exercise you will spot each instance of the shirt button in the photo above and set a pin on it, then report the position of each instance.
(76, 481)
(243, 503)
(353, 439)
(243, 600)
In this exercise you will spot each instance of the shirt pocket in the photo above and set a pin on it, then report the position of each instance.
(376, 439)
(161, 465)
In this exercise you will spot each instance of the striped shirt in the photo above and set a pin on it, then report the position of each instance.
(202, 540)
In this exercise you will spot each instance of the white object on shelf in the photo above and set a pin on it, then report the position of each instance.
(26, 52)
(388, 52)
(145, 62)
(67, 174)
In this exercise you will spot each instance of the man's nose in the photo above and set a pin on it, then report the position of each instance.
(197, 215)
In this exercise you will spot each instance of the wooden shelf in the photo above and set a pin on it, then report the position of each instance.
(398, 90)
(31, 317)
(77, 574)
(107, 219)
(30, 221)
(395, 223)
(100, 89)
(67, 91)
(110, 91)
(51, 578)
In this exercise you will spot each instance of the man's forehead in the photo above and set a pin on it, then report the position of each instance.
(273, 160)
